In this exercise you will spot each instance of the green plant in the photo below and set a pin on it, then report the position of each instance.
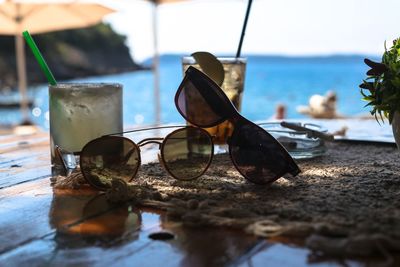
(382, 86)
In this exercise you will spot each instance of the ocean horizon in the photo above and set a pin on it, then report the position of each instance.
(270, 80)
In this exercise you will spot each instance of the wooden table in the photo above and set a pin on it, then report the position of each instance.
(42, 226)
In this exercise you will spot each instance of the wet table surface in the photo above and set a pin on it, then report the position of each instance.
(42, 226)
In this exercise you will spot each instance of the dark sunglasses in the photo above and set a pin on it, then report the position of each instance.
(257, 155)
(185, 153)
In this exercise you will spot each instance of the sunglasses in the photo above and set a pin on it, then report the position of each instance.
(185, 153)
(256, 154)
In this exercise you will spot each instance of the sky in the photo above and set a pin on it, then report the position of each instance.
(275, 27)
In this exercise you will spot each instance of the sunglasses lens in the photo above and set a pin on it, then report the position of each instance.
(194, 106)
(108, 158)
(187, 153)
(258, 156)
(201, 101)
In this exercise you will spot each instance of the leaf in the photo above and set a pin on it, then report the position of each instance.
(370, 104)
(367, 98)
(380, 114)
(362, 93)
(376, 72)
(211, 66)
(376, 118)
(386, 113)
(367, 85)
(379, 67)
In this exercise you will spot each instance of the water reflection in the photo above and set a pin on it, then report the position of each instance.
(84, 218)
(214, 246)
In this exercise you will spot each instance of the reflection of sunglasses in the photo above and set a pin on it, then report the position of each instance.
(257, 155)
(186, 154)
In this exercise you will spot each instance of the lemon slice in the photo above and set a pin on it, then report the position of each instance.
(211, 66)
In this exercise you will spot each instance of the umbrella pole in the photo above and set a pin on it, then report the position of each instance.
(22, 80)
(156, 69)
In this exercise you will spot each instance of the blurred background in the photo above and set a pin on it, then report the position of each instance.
(295, 49)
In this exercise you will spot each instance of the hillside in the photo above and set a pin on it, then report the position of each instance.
(70, 54)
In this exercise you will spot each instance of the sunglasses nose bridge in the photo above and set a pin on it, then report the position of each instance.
(150, 141)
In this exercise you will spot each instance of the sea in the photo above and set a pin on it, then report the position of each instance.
(270, 81)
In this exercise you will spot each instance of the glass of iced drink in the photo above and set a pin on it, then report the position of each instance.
(232, 86)
(80, 112)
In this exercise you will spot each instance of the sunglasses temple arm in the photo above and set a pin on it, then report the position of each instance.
(295, 170)
(313, 133)
(147, 129)
(61, 159)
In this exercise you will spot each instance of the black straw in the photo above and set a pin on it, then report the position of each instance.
(244, 28)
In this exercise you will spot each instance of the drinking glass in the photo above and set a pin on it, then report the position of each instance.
(80, 112)
(232, 86)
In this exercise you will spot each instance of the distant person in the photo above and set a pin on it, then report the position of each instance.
(321, 107)
(280, 112)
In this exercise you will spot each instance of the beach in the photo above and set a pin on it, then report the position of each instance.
(270, 80)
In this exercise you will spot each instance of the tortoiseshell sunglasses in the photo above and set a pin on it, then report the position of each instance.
(256, 154)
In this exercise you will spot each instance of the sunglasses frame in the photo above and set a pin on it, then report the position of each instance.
(208, 163)
(88, 180)
(293, 171)
(230, 113)
(155, 140)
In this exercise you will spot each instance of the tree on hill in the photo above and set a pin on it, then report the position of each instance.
(96, 50)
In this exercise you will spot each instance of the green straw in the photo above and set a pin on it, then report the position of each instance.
(42, 63)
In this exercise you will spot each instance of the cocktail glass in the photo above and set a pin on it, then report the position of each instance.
(80, 112)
